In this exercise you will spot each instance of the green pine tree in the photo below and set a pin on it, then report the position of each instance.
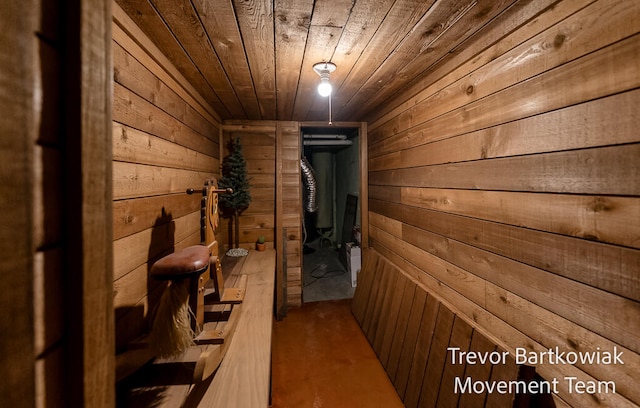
(234, 176)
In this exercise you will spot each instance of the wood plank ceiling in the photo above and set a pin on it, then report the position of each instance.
(252, 59)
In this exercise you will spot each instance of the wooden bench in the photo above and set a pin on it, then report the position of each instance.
(243, 377)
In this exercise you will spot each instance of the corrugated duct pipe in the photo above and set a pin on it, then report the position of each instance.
(311, 190)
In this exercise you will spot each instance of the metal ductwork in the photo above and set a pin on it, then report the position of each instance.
(311, 191)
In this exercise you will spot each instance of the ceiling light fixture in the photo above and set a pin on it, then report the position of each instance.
(324, 69)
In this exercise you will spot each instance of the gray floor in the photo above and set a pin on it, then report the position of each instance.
(324, 276)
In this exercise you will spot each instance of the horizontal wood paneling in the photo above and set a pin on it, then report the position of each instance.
(140, 180)
(597, 218)
(271, 151)
(580, 260)
(573, 127)
(133, 146)
(535, 58)
(258, 147)
(165, 141)
(507, 189)
(611, 170)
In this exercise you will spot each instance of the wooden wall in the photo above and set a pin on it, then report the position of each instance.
(507, 186)
(55, 253)
(165, 141)
(289, 214)
(272, 152)
(410, 331)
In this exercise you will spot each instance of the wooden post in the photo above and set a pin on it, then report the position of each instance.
(281, 256)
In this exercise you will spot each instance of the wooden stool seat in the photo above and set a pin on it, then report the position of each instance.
(185, 263)
(219, 309)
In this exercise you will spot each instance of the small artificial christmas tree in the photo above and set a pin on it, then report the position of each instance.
(234, 176)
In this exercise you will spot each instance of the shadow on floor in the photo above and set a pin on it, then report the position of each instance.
(324, 276)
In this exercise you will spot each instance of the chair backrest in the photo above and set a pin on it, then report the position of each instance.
(210, 217)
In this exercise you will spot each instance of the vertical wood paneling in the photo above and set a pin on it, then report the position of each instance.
(18, 84)
(400, 336)
(382, 317)
(365, 281)
(502, 372)
(392, 330)
(424, 342)
(291, 209)
(406, 360)
(436, 363)
(88, 165)
(479, 372)
(507, 185)
(280, 245)
(56, 257)
(165, 141)
(419, 329)
(460, 339)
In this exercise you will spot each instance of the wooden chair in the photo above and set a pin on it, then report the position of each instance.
(216, 309)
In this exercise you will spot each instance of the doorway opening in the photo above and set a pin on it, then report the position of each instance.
(331, 249)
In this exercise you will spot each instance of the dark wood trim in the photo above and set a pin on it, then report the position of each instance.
(88, 257)
(364, 186)
(20, 114)
(280, 288)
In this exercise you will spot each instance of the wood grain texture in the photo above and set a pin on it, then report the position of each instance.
(500, 332)
(19, 59)
(290, 36)
(272, 151)
(444, 26)
(165, 140)
(424, 343)
(542, 252)
(253, 60)
(460, 339)
(502, 68)
(129, 36)
(219, 31)
(243, 377)
(596, 218)
(405, 362)
(561, 293)
(280, 245)
(588, 124)
(88, 165)
(479, 372)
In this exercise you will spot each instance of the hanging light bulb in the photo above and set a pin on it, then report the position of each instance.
(324, 88)
(324, 69)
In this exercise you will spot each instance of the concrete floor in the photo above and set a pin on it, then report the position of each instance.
(324, 275)
(321, 359)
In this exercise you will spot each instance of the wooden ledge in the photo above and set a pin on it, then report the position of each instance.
(243, 378)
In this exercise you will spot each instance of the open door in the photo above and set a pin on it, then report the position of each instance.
(337, 157)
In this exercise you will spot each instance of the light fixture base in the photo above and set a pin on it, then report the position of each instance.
(324, 68)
